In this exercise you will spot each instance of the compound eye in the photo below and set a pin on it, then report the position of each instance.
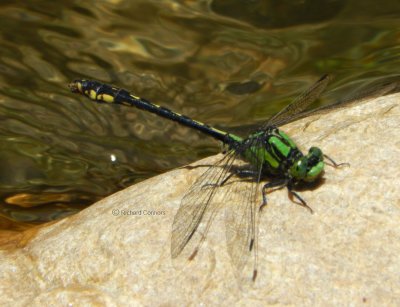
(314, 157)
(315, 151)
(315, 171)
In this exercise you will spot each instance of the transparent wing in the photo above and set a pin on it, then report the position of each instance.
(299, 104)
(241, 217)
(198, 205)
(373, 91)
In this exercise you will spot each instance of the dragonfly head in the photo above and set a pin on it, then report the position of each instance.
(309, 167)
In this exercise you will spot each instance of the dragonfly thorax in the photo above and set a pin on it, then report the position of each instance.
(281, 157)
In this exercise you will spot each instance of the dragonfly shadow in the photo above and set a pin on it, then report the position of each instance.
(190, 167)
(309, 186)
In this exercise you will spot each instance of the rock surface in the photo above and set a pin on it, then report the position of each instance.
(117, 252)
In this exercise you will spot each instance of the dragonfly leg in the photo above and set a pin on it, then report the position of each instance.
(227, 178)
(301, 200)
(240, 173)
(280, 183)
(246, 173)
(334, 164)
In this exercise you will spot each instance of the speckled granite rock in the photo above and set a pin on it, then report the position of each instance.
(346, 252)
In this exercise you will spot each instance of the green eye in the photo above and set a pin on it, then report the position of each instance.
(315, 171)
(316, 153)
(309, 167)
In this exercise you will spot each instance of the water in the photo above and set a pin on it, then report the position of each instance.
(228, 63)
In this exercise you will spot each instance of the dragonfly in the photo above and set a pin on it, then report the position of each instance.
(267, 153)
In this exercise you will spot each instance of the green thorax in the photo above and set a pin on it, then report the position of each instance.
(280, 156)
(272, 148)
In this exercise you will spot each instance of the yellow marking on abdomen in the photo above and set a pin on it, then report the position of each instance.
(106, 98)
(92, 94)
(135, 97)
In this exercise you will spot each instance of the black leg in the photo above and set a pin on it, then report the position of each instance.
(297, 196)
(334, 164)
(239, 172)
(280, 183)
(246, 173)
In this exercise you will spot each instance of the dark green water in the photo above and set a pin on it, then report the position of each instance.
(227, 63)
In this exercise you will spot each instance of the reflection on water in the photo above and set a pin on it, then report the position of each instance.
(229, 63)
